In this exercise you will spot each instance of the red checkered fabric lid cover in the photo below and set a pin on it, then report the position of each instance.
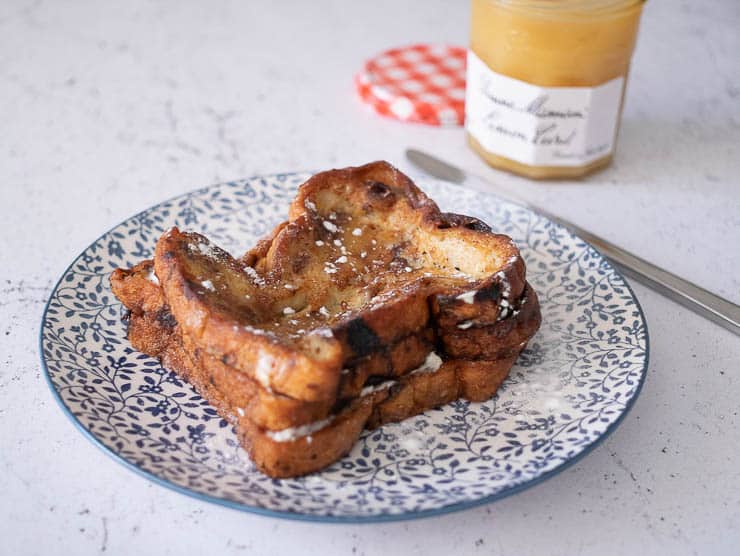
(419, 83)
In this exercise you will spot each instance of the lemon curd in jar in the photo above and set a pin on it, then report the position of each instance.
(545, 82)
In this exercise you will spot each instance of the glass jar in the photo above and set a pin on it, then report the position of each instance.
(545, 83)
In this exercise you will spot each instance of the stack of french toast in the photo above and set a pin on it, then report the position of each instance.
(366, 306)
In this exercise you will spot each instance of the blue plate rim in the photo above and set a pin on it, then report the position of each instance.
(379, 518)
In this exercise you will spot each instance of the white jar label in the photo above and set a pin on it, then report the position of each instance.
(540, 126)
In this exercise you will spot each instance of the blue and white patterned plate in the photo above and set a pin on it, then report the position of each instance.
(570, 388)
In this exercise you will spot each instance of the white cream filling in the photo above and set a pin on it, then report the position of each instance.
(467, 297)
(432, 363)
(372, 389)
(152, 277)
(263, 370)
(293, 433)
(505, 285)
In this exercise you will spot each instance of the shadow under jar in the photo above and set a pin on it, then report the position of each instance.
(546, 81)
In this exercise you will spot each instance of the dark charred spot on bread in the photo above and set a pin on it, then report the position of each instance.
(452, 220)
(375, 380)
(395, 389)
(378, 190)
(228, 359)
(380, 195)
(165, 318)
(489, 293)
(340, 404)
(477, 225)
(300, 261)
(362, 340)
(169, 255)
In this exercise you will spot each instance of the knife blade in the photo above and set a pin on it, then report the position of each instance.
(703, 302)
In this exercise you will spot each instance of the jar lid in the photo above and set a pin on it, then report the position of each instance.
(419, 83)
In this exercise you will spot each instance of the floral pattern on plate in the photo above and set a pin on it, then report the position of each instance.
(570, 387)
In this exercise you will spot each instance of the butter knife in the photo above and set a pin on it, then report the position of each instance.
(713, 307)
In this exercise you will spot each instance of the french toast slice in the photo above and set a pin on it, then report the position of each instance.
(364, 259)
(515, 324)
(367, 306)
(289, 450)
(302, 450)
(154, 331)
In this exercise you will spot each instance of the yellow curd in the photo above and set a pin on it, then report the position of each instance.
(546, 82)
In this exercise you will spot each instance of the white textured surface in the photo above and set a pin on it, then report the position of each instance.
(105, 110)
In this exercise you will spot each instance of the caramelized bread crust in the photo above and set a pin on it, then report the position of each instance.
(412, 395)
(228, 391)
(156, 333)
(502, 338)
(329, 324)
(364, 259)
(267, 409)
